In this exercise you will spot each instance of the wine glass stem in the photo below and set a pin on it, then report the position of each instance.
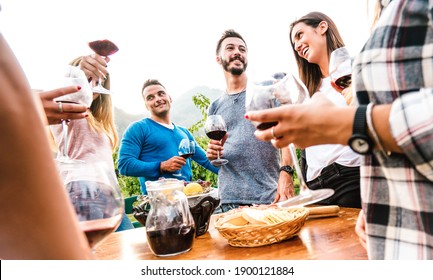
(65, 138)
(304, 190)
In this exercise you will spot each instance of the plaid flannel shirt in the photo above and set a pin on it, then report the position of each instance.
(396, 66)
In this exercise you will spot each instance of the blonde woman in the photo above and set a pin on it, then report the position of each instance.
(94, 138)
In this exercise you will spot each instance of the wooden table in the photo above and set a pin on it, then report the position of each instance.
(331, 238)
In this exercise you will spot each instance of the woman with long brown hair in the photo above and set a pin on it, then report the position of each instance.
(313, 37)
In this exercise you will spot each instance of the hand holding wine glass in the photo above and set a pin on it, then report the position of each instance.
(186, 150)
(216, 128)
(74, 76)
(95, 195)
(283, 90)
(51, 107)
(274, 91)
(103, 48)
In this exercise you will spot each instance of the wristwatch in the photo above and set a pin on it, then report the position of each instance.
(287, 168)
(360, 142)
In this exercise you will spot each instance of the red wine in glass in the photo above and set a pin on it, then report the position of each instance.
(344, 82)
(97, 230)
(340, 67)
(104, 48)
(216, 134)
(273, 91)
(186, 149)
(216, 128)
(186, 156)
(95, 196)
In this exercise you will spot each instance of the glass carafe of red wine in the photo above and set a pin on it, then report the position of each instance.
(170, 226)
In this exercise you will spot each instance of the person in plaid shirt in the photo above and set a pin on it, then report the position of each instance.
(394, 74)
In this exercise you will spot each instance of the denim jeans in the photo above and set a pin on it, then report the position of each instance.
(125, 223)
(227, 207)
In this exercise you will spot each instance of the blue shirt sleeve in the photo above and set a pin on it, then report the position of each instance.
(129, 154)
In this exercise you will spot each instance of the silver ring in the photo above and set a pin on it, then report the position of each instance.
(273, 134)
(60, 107)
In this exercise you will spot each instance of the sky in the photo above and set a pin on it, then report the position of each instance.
(170, 40)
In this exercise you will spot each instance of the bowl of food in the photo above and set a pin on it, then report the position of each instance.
(202, 200)
(258, 226)
(198, 189)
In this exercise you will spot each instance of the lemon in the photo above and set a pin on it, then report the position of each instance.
(192, 189)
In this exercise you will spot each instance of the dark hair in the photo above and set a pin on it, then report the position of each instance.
(150, 82)
(228, 34)
(310, 73)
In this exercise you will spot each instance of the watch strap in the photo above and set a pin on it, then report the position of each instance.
(287, 168)
(360, 120)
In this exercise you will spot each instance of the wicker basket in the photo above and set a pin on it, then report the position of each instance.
(255, 235)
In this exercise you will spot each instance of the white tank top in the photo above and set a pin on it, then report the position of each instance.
(320, 156)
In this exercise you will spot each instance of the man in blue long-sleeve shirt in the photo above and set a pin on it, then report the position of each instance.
(149, 147)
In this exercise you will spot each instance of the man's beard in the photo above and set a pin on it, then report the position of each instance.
(233, 71)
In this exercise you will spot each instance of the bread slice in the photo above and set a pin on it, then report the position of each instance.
(255, 216)
(235, 219)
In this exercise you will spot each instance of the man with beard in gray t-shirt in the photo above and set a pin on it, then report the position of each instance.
(252, 174)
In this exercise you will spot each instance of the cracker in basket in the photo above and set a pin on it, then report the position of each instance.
(255, 216)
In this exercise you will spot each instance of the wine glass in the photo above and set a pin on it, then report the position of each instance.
(103, 48)
(186, 150)
(74, 76)
(274, 91)
(283, 89)
(216, 128)
(340, 69)
(96, 198)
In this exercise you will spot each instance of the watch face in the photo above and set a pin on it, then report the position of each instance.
(360, 146)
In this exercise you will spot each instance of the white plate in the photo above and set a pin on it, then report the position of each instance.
(212, 192)
(313, 197)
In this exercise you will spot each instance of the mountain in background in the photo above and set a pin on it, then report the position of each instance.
(183, 110)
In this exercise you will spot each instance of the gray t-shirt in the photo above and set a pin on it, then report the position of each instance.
(251, 176)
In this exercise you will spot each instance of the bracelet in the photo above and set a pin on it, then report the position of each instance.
(373, 131)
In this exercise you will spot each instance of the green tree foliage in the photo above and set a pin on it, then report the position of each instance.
(198, 172)
(128, 185)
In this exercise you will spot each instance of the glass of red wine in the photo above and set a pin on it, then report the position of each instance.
(340, 67)
(96, 198)
(186, 150)
(216, 128)
(283, 90)
(104, 48)
(273, 91)
(74, 77)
